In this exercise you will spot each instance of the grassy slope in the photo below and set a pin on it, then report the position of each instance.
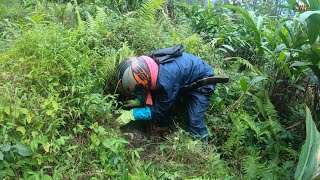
(55, 120)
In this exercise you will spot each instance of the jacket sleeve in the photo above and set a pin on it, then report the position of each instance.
(167, 90)
(163, 103)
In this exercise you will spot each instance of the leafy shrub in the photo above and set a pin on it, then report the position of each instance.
(58, 100)
(52, 84)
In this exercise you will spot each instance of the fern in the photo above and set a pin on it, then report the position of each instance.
(150, 8)
(245, 63)
(110, 64)
(77, 9)
(253, 125)
(265, 107)
(101, 22)
(237, 135)
(270, 109)
(273, 126)
(252, 167)
(91, 24)
(101, 15)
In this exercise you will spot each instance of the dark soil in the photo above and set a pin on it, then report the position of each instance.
(144, 134)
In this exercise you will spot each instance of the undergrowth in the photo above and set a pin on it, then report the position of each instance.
(59, 99)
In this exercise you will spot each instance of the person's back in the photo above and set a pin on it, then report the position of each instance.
(174, 75)
(192, 68)
(184, 70)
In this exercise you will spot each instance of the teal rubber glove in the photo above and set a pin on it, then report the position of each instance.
(125, 117)
(131, 103)
(142, 114)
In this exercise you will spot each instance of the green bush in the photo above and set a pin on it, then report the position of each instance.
(58, 93)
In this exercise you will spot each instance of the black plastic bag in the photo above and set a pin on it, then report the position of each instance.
(166, 54)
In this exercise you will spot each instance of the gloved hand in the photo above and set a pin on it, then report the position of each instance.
(134, 114)
(125, 117)
(132, 103)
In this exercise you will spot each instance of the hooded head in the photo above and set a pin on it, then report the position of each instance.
(138, 75)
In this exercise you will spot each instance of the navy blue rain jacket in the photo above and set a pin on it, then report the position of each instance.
(172, 76)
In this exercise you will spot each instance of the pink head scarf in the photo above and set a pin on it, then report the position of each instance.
(153, 68)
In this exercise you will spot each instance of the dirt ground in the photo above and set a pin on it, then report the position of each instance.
(140, 133)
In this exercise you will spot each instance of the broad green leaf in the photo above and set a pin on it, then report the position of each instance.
(244, 84)
(46, 146)
(16, 114)
(7, 110)
(308, 161)
(21, 129)
(222, 49)
(270, 39)
(28, 117)
(107, 143)
(23, 150)
(306, 15)
(6, 147)
(299, 63)
(282, 55)
(298, 87)
(316, 52)
(72, 148)
(248, 18)
(316, 70)
(24, 110)
(1, 156)
(49, 112)
(10, 172)
(242, 11)
(69, 155)
(257, 79)
(95, 140)
(284, 39)
(314, 78)
(314, 4)
(214, 41)
(228, 47)
(313, 23)
(280, 27)
(289, 31)
(260, 22)
(137, 154)
(46, 177)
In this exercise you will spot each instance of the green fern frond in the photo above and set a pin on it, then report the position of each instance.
(270, 109)
(253, 125)
(101, 15)
(237, 135)
(266, 108)
(77, 9)
(245, 63)
(252, 167)
(271, 170)
(288, 150)
(273, 126)
(150, 8)
(91, 23)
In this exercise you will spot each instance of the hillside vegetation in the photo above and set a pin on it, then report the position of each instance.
(59, 98)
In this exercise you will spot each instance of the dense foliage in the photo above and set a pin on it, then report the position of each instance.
(58, 97)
